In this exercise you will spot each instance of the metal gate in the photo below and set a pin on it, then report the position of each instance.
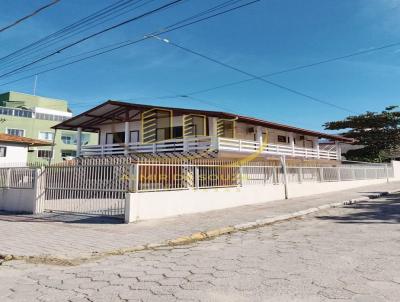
(90, 189)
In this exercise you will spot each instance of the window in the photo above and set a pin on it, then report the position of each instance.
(68, 153)
(70, 138)
(15, 112)
(134, 137)
(48, 136)
(85, 138)
(177, 132)
(3, 151)
(67, 139)
(16, 132)
(282, 139)
(45, 154)
(114, 138)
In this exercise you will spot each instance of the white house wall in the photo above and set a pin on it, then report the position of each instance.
(16, 153)
(241, 131)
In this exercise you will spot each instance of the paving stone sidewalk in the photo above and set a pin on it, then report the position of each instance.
(346, 254)
(25, 235)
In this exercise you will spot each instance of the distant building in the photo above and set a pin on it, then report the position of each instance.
(14, 149)
(32, 117)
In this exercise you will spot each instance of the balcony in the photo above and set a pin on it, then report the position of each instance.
(199, 144)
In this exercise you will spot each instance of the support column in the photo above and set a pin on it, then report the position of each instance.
(126, 138)
(316, 143)
(212, 126)
(259, 136)
(338, 151)
(291, 137)
(79, 142)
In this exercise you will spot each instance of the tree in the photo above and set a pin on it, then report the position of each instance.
(377, 132)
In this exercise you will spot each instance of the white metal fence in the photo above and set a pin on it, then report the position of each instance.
(98, 186)
(156, 176)
(17, 178)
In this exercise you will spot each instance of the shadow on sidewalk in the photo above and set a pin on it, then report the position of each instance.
(373, 211)
(60, 217)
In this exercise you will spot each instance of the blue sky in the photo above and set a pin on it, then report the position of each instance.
(268, 36)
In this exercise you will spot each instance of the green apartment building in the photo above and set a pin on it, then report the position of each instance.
(33, 116)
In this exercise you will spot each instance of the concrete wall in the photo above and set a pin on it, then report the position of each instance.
(24, 200)
(151, 205)
(17, 200)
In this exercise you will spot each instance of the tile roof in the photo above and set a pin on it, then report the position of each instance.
(22, 140)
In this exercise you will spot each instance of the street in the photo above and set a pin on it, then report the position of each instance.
(342, 254)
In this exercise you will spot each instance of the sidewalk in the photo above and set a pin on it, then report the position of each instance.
(25, 235)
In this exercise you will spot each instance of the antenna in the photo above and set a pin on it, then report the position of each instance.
(34, 84)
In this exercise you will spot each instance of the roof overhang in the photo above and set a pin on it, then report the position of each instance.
(116, 112)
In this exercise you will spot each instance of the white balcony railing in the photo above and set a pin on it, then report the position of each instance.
(196, 144)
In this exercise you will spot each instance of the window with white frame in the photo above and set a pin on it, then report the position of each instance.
(44, 153)
(68, 139)
(45, 135)
(3, 151)
(16, 132)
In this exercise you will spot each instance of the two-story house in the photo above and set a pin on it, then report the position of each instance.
(126, 128)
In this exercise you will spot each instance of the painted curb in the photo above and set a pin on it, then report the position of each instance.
(184, 240)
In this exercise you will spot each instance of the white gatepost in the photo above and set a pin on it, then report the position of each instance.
(126, 139)
(39, 191)
(79, 142)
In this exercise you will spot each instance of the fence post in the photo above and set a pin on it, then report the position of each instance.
(321, 174)
(196, 177)
(285, 179)
(300, 174)
(134, 178)
(8, 178)
(338, 174)
(39, 186)
(240, 176)
(387, 172)
(265, 175)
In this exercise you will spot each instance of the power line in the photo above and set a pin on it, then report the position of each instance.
(96, 34)
(80, 28)
(66, 29)
(35, 12)
(300, 67)
(130, 42)
(252, 75)
(222, 5)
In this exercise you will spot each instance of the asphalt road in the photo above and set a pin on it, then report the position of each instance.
(343, 254)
